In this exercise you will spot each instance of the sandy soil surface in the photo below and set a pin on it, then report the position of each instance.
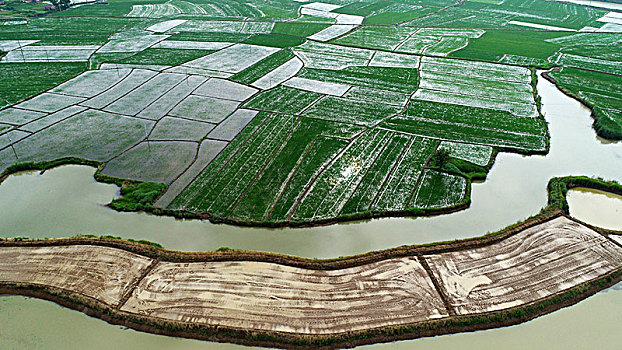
(274, 297)
(98, 272)
(536, 263)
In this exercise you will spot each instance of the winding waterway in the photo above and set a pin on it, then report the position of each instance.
(67, 201)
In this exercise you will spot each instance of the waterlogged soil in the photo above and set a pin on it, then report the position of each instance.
(67, 201)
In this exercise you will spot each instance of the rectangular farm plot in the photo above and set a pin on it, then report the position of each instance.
(384, 78)
(53, 118)
(101, 273)
(168, 101)
(49, 102)
(500, 91)
(160, 161)
(321, 87)
(203, 108)
(328, 56)
(528, 110)
(439, 190)
(397, 60)
(233, 59)
(136, 78)
(166, 25)
(283, 99)
(191, 45)
(304, 301)
(141, 97)
(376, 96)
(351, 111)
(536, 263)
(470, 125)
(225, 89)
(490, 71)
(134, 44)
(169, 128)
(476, 154)
(91, 83)
(231, 127)
(50, 54)
(16, 116)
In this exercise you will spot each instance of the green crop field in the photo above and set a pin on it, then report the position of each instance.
(284, 112)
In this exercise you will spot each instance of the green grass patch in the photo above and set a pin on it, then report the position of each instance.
(168, 57)
(601, 91)
(396, 16)
(138, 196)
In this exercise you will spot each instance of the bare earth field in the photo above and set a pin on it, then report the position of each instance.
(535, 263)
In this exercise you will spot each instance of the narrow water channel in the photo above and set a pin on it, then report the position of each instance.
(67, 201)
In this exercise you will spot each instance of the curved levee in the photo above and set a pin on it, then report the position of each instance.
(412, 291)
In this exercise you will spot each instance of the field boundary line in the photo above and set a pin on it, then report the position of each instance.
(397, 162)
(263, 168)
(128, 293)
(224, 165)
(420, 177)
(317, 176)
(386, 144)
(440, 289)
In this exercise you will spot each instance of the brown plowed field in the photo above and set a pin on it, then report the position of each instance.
(266, 296)
(101, 273)
(533, 264)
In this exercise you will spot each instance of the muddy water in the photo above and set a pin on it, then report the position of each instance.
(598, 208)
(67, 201)
(36, 324)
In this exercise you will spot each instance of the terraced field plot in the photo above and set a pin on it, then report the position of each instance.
(289, 113)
